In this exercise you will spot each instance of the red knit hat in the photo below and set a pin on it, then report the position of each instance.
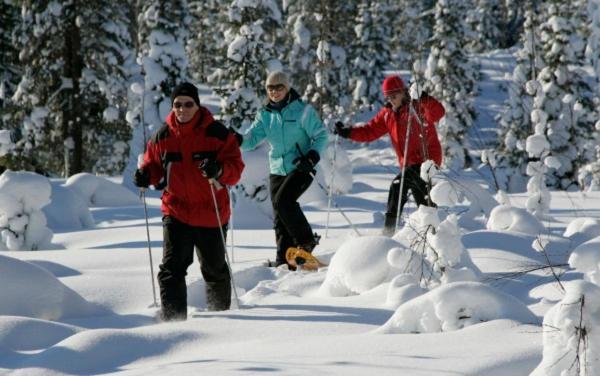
(392, 84)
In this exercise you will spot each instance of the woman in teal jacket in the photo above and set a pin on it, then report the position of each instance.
(297, 138)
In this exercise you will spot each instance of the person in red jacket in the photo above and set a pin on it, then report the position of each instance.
(423, 142)
(186, 158)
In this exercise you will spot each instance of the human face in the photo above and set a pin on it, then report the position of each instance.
(276, 93)
(185, 108)
(396, 98)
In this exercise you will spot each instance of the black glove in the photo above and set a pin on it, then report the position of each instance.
(141, 178)
(307, 163)
(340, 130)
(211, 169)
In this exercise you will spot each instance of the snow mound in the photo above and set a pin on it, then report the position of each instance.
(359, 265)
(455, 306)
(563, 343)
(403, 288)
(98, 191)
(582, 229)
(25, 334)
(508, 218)
(67, 210)
(29, 290)
(285, 283)
(586, 259)
(106, 350)
(22, 222)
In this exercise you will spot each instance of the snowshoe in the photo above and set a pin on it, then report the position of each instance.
(301, 259)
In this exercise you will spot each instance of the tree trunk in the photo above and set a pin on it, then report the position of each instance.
(72, 108)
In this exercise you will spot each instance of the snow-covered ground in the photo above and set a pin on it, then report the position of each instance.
(83, 304)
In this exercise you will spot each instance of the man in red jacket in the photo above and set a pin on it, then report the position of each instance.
(423, 143)
(184, 158)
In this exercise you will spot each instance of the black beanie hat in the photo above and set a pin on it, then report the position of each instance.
(185, 89)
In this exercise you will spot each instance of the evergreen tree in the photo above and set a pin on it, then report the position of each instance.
(563, 96)
(593, 42)
(108, 59)
(250, 55)
(372, 54)
(329, 92)
(515, 123)
(451, 79)
(71, 92)
(206, 31)
(411, 24)
(161, 40)
(301, 26)
(485, 29)
(10, 72)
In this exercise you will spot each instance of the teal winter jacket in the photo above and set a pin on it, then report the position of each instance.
(295, 123)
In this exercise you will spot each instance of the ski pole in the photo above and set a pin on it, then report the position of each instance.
(232, 228)
(143, 194)
(212, 183)
(403, 175)
(331, 183)
(312, 173)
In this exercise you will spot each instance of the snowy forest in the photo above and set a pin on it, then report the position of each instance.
(500, 278)
(83, 82)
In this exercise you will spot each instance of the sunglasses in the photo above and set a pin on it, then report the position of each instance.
(184, 104)
(393, 96)
(279, 87)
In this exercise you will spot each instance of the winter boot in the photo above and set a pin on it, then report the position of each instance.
(218, 295)
(389, 225)
(173, 312)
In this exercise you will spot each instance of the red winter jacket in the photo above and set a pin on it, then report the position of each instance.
(430, 111)
(172, 158)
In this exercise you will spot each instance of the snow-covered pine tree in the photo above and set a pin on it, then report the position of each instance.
(300, 27)
(411, 24)
(329, 93)
(371, 52)
(514, 17)
(10, 73)
(9, 59)
(161, 39)
(208, 18)
(563, 96)
(589, 175)
(593, 42)
(485, 21)
(514, 122)
(451, 78)
(108, 59)
(71, 91)
(250, 56)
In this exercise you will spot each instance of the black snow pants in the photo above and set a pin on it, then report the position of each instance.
(179, 242)
(291, 227)
(418, 188)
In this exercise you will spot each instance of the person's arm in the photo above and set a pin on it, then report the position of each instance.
(230, 159)
(371, 131)
(254, 135)
(152, 163)
(315, 129)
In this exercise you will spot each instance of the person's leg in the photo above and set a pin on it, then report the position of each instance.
(283, 238)
(211, 254)
(285, 202)
(178, 254)
(389, 225)
(418, 186)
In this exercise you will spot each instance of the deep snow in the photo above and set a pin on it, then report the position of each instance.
(82, 305)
